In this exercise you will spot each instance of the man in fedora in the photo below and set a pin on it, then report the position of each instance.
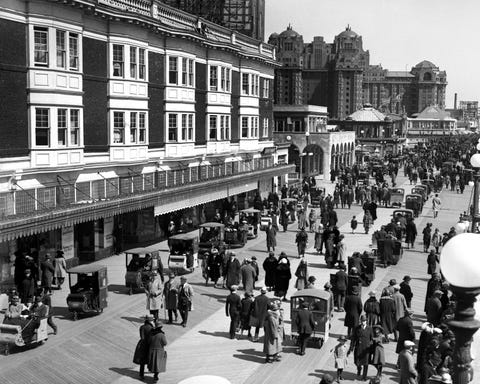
(153, 290)
(405, 330)
(170, 294)
(157, 356)
(362, 339)
(233, 307)
(408, 373)
(140, 356)
(185, 297)
(305, 326)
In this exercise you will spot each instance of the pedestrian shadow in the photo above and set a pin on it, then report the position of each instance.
(421, 278)
(347, 376)
(317, 265)
(121, 289)
(224, 335)
(129, 372)
(219, 298)
(139, 320)
(250, 355)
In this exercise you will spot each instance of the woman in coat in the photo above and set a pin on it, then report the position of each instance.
(214, 265)
(271, 236)
(157, 356)
(60, 269)
(341, 251)
(387, 314)
(427, 237)
(302, 275)
(270, 266)
(153, 290)
(367, 221)
(282, 278)
(432, 260)
(377, 358)
(410, 233)
(271, 340)
(141, 351)
(436, 240)
(330, 250)
(372, 309)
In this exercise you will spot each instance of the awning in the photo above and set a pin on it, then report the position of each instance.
(195, 164)
(29, 184)
(232, 159)
(149, 169)
(162, 167)
(84, 177)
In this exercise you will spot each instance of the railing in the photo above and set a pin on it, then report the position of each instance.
(66, 193)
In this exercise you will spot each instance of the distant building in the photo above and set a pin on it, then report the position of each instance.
(431, 123)
(339, 75)
(466, 114)
(244, 16)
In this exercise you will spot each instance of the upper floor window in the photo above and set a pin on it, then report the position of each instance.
(181, 71)
(129, 127)
(220, 78)
(265, 127)
(266, 88)
(65, 51)
(180, 127)
(250, 84)
(249, 127)
(57, 127)
(128, 62)
(219, 127)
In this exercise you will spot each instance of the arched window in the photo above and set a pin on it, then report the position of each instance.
(427, 76)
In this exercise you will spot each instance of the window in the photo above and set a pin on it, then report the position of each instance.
(40, 46)
(249, 127)
(245, 83)
(245, 126)
(118, 127)
(61, 49)
(133, 127)
(141, 64)
(186, 77)
(213, 127)
(182, 122)
(118, 60)
(133, 62)
(265, 127)
(254, 126)
(219, 127)
(42, 127)
(250, 84)
(74, 127)
(73, 55)
(142, 127)
(220, 78)
(62, 127)
(213, 78)
(266, 88)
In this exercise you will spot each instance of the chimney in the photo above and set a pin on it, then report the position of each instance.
(455, 101)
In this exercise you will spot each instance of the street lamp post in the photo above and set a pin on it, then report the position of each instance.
(475, 162)
(362, 132)
(301, 166)
(459, 265)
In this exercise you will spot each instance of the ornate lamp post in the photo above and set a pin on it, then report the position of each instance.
(475, 161)
(361, 144)
(302, 155)
(459, 265)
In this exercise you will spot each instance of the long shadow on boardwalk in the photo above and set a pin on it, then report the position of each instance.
(220, 298)
(225, 335)
(129, 372)
(250, 355)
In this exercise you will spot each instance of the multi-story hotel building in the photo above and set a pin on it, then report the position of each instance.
(118, 116)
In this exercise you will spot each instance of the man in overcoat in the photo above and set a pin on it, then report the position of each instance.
(362, 339)
(269, 266)
(48, 270)
(272, 340)
(141, 351)
(233, 307)
(406, 290)
(248, 275)
(301, 239)
(185, 297)
(154, 290)
(305, 326)
(405, 330)
(259, 314)
(271, 237)
(232, 270)
(353, 309)
(341, 284)
(157, 356)
(408, 373)
(170, 294)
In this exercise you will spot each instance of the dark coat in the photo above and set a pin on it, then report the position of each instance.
(48, 270)
(406, 291)
(233, 305)
(271, 234)
(171, 295)
(432, 260)
(246, 311)
(141, 351)
(387, 314)
(405, 332)
(232, 272)
(353, 308)
(372, 311)
(341, 280)
(282, 279)
(434, 311)
(214, 264)
(260, 308)
(248, 277)
(304, 321)
(26, 289)
(270, 266)
(157, 356)
(389, 246)
(378, 353)
(362, 339)
(410, 232)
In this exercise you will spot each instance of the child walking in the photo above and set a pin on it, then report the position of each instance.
(340, 354)
(353, 224)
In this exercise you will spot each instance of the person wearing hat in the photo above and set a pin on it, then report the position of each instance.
(185, 298)
(353, 309)
(341, 284)
(400, 304)
(435, 283)
(233, 307)
(269, 266)
(170, 296)
(27, 288)
(301, 239)
(60, 268)
(248, 275)
(14, 311)
(406, 290)
(157, 356)
(426, 336)
(214, 264)
(311, 282)
(256, 268)
(340, 354)
(434, 309)
(305, 326)
(271, 326)
(326, 379)
(378, 352)
(432, 261)
(48, 271)
(37, 312)
(406, 363)
(153, 290)
(245, 314)
(282, 278)
(271, 237)
(140, 355)
(372, 309)
(405, 330)
(259, 312)
(232, 274)
(302, 274)
(427, 237)
(362, 338)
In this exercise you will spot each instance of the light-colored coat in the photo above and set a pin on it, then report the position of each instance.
(408, 373)
(340, 354)
(271, 343)
(154, 294)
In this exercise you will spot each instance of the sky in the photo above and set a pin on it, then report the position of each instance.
(398, 33)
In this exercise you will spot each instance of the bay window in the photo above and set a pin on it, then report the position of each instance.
(132, 56)
(180, 127)
(180, 71)
(249, 127)
(118, 60)
(42, 127)
(118, 127)
(65, 52)
(219, 127)
(220, 78)
(40, 36)
(56, 127)
(135, 122)
(250, 84)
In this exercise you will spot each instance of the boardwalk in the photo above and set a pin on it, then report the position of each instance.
(99, 349)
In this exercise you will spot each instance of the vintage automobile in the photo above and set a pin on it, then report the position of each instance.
(407, 213)
(183, 257)
(430, 184)
(88, 289)
(316, 196)
(140, 262)
(236, 236)
(320, 304)
(396, 197)
(368, 274)
(396, 256)
(252, 216)
(211, 235)
(415, 203)
(421, 190)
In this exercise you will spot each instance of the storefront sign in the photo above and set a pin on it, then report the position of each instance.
(68, 242)
(108, 232)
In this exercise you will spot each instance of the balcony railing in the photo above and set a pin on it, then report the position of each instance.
(65, 193)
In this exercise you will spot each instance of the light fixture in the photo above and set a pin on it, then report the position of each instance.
(478, 147)
(475, 160)
(307, 133)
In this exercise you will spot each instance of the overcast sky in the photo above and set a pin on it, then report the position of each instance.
(398, 33)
